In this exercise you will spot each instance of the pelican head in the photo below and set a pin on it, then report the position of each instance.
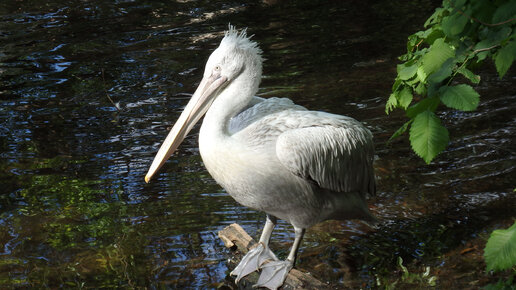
(236, 57)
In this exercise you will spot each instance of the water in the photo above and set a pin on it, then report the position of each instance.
(88, 91)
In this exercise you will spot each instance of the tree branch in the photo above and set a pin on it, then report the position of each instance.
(485, 23)
(236, 238)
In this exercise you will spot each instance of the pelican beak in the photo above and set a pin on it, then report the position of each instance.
(199, 103)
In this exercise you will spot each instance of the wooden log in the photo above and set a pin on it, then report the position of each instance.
(236, 238)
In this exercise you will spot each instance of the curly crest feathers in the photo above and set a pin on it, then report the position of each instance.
(240, 41)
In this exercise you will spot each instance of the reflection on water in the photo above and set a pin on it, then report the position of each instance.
(88, 91)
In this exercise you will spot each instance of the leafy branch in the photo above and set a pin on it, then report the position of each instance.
(485, 23)
(458, 36)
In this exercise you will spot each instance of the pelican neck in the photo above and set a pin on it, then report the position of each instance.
(229, 102)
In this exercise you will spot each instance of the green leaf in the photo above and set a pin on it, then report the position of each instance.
(434, 17)
(412, 42)
(505, 12)
(458, 5)
(482, 55)
(469, 75)
(485, 44)
(428, 36)
(406, 72)
(429, 104)
(505, 57)
(501, 284)
(420, 89)
(396, 85)
(405, 97)
(392, 103)
(483, 48)
(435, 58)
(502, 34)
(435, 33)
(421, 75)
(443, 73)
(500, 250)
(400, 131)
(461, 97)
(483, 10)
(427, 136)
(454, 24)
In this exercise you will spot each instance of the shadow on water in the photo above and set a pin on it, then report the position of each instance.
(89, 89)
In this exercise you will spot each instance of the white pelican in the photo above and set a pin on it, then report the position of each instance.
(272, 155)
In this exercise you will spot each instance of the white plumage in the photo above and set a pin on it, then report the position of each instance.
(272, 155)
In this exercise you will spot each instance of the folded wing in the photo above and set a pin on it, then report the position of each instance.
(336, 152)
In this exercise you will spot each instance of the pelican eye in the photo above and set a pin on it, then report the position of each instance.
(217, 68)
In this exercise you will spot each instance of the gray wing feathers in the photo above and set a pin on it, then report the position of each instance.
(258, 109)
(338, 158)
(334, 151)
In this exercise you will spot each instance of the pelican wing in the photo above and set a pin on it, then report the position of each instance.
(258, 109)
(336, 152)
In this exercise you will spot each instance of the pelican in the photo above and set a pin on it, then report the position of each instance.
(272, 155)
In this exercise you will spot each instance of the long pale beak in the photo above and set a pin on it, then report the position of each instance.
(199, 103)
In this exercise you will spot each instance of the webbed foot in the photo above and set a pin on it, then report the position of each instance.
(252, 261)
(274, 274)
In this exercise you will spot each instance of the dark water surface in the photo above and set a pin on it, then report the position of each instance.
(74, 208)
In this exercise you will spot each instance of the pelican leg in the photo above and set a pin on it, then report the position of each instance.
(270, 223)
(258, 255)
(274, 273)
